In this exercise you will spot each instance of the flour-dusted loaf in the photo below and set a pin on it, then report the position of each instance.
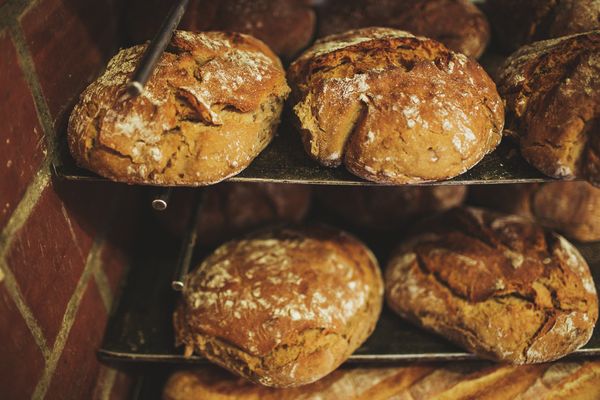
(394, 108)
(388, 208)
(451, 381)
(282, 307)
(458, 24)
(518, 22)
(210, 107)
(552, 94)
(496, 284)
(571, 208)
(286, 26)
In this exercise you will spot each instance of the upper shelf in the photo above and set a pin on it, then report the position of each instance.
(285, 161)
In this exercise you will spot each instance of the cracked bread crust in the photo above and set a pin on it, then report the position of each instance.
(458, 24)
(497, 285)
(518, 22)
(211, 106)
(552, 95)
(282, 307)
(394, 108)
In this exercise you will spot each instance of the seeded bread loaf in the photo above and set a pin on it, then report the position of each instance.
(496, 284)
(458, 24)
(286, 26)
(209, 109)
(283, 307)
(459, 381)
(552, 94)
(387, 208)
(571, 208)
(518, 22)
(394, 108)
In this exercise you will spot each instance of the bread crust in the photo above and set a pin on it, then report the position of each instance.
(470, 275)
(552, 97)
(394, 108)
(211, 106)
(283, 307)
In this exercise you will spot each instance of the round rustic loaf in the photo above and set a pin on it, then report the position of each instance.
(495, 284)
(518, 22)
(458, 24)
(394, 108)
(209, 109)
(232, 209)
(282, 307)
(552, 94)
(287, 26)
(571, 208)
(388, 208)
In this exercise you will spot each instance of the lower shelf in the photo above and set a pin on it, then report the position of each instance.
(140, 329)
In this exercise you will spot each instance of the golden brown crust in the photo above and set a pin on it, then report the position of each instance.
(518, 22)
(456, 23)
(466, 380)
(552, 97)
(283, 307)
(394, 108)
(471, 274)
(210, 107)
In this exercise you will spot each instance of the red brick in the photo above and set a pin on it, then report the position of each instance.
(122, 386)
(70, 41)
(21, 142)
(22, 361)
(78, 367)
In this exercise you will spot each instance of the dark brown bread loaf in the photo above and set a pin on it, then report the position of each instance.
(283, 307)
(286, 26)
(394, 108)
(552, 95)
(388, 208)
(571, 208)
(456, 23)
(518, 22)
(460, 381)
(209, 109)
(495, 284)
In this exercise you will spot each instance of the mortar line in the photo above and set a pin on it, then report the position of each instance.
(104, 287)
(105, 386)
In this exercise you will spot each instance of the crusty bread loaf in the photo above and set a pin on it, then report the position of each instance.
(552, 94)
(394, 108)
(456, 23)
(518, 22)
(283, 307)
(571, 208)
(286, 26)
(495, 284)
(387, 208)
(232, 209)
(210, 107)
(458, 381)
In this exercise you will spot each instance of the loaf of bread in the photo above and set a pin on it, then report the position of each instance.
(496, 284)
(571, 208)
(232, 209)
(552, 94)
(283, 307)
(458, 24)
(458, 381)
(387, 208)
(211, 106)
(518, 22)
(394, 108)
(286, 26)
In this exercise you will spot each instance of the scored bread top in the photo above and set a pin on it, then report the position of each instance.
(203, 82)
(263, 291)
(393, 107)
(497, 284)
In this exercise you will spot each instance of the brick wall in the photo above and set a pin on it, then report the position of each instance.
(63, 245)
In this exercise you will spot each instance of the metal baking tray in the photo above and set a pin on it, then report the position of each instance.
(140, 329)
